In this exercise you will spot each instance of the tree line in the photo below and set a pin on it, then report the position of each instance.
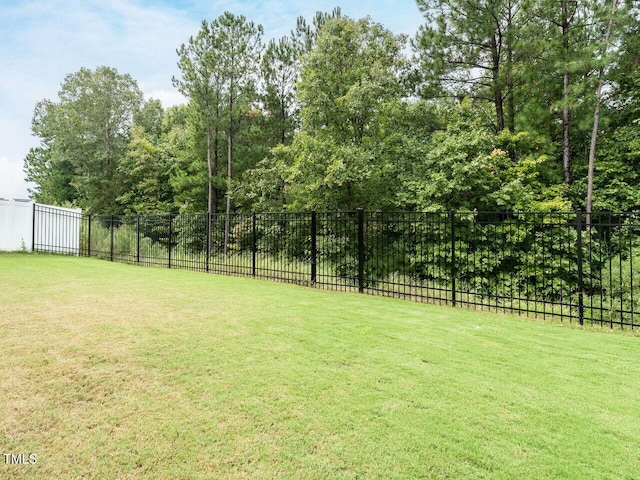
(499, 105)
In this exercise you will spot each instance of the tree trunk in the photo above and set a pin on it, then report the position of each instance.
(566, 122)
(511, 109)
(216, 161)
(497, 90)
(209, 169)
(566, 145)
(511, 114)
(592, 151)
(283, 118)
(229, 156)
(596, 121)
(209, 200)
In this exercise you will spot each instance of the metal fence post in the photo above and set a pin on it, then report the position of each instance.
(33, 228)
(314, 249)
(111, 249)
(138, 240)
(580, 271)
(360, 250)
(89, 238)
(452, 217)
(208, 227)
(170, 238)
(254, 244)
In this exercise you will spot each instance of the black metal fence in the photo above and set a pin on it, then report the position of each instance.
(541, 264)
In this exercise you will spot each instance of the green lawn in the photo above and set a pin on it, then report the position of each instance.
(115, 371)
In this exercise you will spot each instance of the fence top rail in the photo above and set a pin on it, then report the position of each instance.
(54, 209)
(602, 219)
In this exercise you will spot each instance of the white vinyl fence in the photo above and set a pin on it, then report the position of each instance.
(25, 225)
(16, 225)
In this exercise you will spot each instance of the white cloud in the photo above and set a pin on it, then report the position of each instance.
(12, 184)
(167, 98)
(15, 142)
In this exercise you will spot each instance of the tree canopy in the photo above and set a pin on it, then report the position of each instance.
(84, 136)
(490, 106)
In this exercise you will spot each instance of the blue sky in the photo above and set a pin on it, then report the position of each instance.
(41, 41)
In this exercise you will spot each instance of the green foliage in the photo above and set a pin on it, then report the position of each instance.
(468, 167)
(263, 188)
(52, 177)
(146, 171)
(280, 74)
(185, 144)
(328, 118)
(467, 49)
(618, 287)
(84, 137)
(348, 86)
(616, 178)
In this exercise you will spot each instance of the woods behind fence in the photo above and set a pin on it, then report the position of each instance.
(543, 264)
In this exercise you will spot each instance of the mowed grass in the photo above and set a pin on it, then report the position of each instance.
(115, 371)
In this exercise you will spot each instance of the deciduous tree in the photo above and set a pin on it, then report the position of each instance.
(84, 136)
(350, 82)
